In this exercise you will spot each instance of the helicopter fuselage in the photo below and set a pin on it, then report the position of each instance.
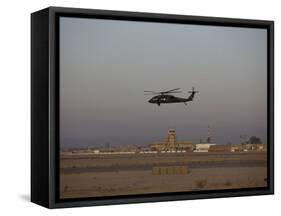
(168, 99)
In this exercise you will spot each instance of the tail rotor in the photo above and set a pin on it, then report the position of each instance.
(193, 91)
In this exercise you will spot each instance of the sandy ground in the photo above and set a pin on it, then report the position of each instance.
(73, 161)
(141, 182)
(125, 182)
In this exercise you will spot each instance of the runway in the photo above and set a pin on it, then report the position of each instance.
(146, 167)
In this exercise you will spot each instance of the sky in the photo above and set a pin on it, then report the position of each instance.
(106, 65)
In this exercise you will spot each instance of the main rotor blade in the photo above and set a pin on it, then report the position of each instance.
(173, 90)
(152, 92)
(165, 92)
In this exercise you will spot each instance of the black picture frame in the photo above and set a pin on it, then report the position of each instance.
(45, 106)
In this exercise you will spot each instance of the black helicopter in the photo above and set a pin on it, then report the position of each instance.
(165, 97)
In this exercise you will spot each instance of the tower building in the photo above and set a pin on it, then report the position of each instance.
(172, 144)
(171, 140)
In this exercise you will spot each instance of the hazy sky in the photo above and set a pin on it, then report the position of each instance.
(106, 65)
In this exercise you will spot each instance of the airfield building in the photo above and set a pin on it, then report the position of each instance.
(238, 148)
(203, 147)
(172, 144)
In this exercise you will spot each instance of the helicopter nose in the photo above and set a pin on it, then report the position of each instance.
(150, 101)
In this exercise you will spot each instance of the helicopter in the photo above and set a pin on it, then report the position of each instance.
(166, 97)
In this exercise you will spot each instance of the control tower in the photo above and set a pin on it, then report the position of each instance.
(171, 140)
(170, 143)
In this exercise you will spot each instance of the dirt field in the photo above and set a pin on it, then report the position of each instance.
(107, 175)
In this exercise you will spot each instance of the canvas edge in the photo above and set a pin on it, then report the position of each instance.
(54, 11)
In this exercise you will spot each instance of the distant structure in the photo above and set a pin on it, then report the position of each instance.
(107, 145)
(171, 141)
(243, 138)
(205, 146)
(209, 139)
(171, 144)
(223, 148)
(238, 147)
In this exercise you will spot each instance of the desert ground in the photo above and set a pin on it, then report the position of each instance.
(96, 175)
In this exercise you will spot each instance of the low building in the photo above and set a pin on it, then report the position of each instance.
(238, 148)
(185, 146)
(221, 148)
(203, 147)
(254, 147)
